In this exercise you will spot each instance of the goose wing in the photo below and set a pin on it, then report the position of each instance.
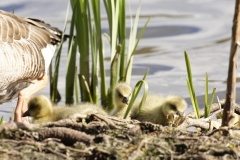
(23, 42)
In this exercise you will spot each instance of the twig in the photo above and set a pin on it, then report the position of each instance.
(67, 135)
(11, 152)
(78, 150)
(214, 108)
(228, 112)
(189, 122)
(107, 120)
(57, 153)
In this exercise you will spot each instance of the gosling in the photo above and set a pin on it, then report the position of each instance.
(158, 109)
(234, 122)
(123, 93)
(41, 109)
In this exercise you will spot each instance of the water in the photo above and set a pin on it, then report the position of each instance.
(202, 28)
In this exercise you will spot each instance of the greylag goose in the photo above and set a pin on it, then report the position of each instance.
(42, 110)
(158, 109)
(27, 47)
(123, 93)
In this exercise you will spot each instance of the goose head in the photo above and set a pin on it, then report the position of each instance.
(38, 107)
(123, 93)
(173, 105)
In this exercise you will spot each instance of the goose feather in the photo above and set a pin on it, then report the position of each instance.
(27, 47)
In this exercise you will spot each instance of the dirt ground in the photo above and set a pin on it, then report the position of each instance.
(98, 137)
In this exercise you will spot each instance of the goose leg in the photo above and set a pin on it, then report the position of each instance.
(24, 96)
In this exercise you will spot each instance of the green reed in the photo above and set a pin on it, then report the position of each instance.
(85, 68)
(192, 94)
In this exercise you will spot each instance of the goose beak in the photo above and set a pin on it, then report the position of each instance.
(125, 100)
(26, 114)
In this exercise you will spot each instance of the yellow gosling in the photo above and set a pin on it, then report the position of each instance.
(158, 109)
(235, 121)
(123, 93)
(41, 109)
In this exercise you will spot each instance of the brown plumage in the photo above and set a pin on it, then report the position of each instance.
(27, 47)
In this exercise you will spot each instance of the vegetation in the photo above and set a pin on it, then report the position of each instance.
(2, 120)
(87, 75)
(207, 106)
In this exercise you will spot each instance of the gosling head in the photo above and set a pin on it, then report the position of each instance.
(123, 93)
(174, 105)
(39, 106)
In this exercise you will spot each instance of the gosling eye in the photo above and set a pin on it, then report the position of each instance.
(120, 95)
(32, 106)
(173, 107)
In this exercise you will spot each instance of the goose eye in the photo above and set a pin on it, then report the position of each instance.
(120, 95)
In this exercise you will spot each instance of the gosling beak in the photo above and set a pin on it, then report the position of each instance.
(125, 100)
(170, 116)
(26, 114)
(180, 113)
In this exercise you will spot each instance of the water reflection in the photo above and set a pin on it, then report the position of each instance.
(163, 31)
(166, 31)
(140, 69)
(146, 50)
(10, 8)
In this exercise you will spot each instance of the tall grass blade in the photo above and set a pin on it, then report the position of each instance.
(132, 39)
(71, 64)
(135, 93)
(95, 38)
(122, 37)
(128, 71)
(112, 9)
(103, 89)
(113, 78)
(108, 4)
(212, 98)
(82, 30)
(87, 89)
(94, 80)
(2, 120)
(190, 86)
(76, 86)
(55, 96)
(219, 115)
(192, 99)
(219, 104)
(114, 34)
(206, 107)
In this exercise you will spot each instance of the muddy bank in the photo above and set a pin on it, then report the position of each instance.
(95, 136)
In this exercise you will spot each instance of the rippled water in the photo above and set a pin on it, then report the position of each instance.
(202, 28)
